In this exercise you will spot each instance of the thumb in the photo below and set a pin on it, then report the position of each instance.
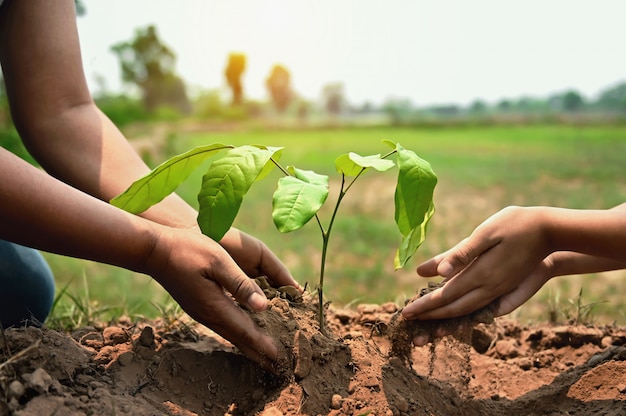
(243, 289)
(461, 255)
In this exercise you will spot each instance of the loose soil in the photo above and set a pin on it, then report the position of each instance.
(181, 368)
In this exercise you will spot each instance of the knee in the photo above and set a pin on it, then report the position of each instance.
(26, 286)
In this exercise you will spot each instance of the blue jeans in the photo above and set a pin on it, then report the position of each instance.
(26, 286)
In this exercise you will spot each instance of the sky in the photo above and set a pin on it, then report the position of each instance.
(432, 52)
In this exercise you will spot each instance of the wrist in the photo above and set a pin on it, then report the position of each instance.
(546, 221)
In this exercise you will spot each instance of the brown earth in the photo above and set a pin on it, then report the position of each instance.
(158, 368)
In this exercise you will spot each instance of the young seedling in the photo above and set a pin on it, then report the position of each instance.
(299, 194)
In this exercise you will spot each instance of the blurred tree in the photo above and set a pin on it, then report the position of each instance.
(333, 96)
(398, 109)
(613, 98)
(366, 108)
(504, 105)
(446, 110)
(209, 104)
(569, 101)
(234, 70)
(146, 62)
(81, 10)
(478, 107)
(304, 108)
(530, 105)
(279, 86)
(572, 101)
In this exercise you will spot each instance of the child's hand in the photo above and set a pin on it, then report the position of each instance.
(504, 259)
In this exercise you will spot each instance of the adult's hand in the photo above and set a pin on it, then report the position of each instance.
(256, 259)
(195, 270)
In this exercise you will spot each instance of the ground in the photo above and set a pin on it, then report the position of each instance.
(180, 368)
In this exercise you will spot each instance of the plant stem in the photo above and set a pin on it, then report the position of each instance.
(325, 239)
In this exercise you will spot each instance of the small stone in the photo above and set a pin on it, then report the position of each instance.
(125, 320)
(606, 341)
(506, 349)
(389, 307)
(401, 404)
(354, 335)
(147, 336)
(113, 335)
(371, 382)
(396, 362)
(39, 380)
(126, 358)
(335, 401)
(16, 390)
(14, 404)
(481, 340)
(525, 363)
(345, 316)
(367, 308)
(271, 411)
(303, 353)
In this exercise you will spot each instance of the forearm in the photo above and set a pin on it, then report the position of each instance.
(84, 149)
(38, 211)
(565, 263)
(598, 233)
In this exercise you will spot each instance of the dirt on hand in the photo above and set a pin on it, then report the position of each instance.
(181, 368)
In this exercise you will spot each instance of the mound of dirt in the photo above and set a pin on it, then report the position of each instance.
(150, 368)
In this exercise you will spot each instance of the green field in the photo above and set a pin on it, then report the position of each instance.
(480, 169)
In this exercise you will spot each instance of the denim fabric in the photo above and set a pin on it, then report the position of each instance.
(26, 286)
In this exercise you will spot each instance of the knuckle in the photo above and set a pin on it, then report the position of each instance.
(241, 287)
(462, 256)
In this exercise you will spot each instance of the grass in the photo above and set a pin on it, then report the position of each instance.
(481, 170)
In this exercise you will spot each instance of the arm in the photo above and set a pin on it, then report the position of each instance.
(55, 114)
(512, 254)
(71, 138)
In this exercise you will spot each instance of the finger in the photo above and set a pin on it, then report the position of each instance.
(441, 309)
(276, 271)
(463, 254)
(524, 291)
(233, 279)
(429, 267)
(439, 332)
(236, 326)
(421, 340)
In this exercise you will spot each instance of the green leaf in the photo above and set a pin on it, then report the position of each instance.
(413, 201)
(164, 179)
(298, 198)
(277, 152)
(411, 242)
(390, 143)
(414, 190)
(225, 184)
(352, 164)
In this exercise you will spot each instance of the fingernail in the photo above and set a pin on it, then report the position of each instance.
(257, 302)
(420, 340)
(407, 314)
(445, 269)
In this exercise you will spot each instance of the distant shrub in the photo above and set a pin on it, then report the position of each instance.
(123, 110)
